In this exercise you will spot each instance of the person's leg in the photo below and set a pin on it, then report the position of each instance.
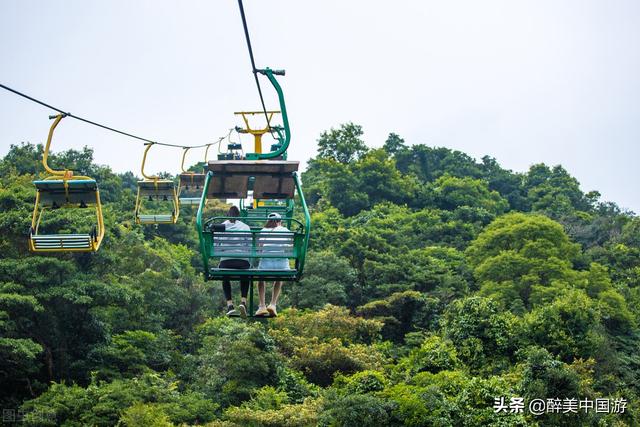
(262, 308)
(226, 288)
(244, 290)
(226, 284)
(277, 287)
(261, 294)
(242, 264)
(239, 264)
(271, 308)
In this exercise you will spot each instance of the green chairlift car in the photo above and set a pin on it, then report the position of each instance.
(272, 180)
(275, 186)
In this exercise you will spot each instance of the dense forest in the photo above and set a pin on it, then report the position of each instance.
(435, 286)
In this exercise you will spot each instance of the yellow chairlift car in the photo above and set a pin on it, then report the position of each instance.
(157, 198)
(191, 183)
(63, 190)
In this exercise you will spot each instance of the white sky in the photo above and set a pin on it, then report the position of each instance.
(522, 81)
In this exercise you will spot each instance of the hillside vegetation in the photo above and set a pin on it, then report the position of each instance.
(434, 285)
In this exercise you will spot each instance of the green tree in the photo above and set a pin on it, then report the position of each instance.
(302, 415)
(143, 415)
(23, 159)
(418, 406)
(523, 260)
(20, 358)
(433, 355)
(327, 280)
(343, 144)
(554, 190)
(505, 182)
(234, 360)
(320, 361)
(569, 327)
(469, 399)
(361, 382)
(402, 313)
(393, 144)
(430, 163)
(132, 353)
(484, 336)
(355, 410)
(544, 375)
(376, 176)
(104, 403)
(450, 192)
(329, 323)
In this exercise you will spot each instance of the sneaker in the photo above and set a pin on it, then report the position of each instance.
(272, 310)
(242, 308)
(262, 311)
(231, 311)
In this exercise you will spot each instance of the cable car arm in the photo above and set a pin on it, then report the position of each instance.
(283, 139)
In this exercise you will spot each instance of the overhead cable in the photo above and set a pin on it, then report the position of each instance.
(253, 62)
(130, 135)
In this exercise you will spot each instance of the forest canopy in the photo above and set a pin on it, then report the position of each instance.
(435, 283)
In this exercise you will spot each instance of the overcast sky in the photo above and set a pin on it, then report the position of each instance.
(522, 81)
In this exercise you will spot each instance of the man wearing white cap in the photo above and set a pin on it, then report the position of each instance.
(274, 223)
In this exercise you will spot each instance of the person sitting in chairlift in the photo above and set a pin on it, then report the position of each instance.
(234, 224)
(274, 223)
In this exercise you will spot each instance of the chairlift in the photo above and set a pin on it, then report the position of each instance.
(63, 190)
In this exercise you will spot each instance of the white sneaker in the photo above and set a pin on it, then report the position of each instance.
(242, 308)
(231, 311)
(262, 311)
(271, 308)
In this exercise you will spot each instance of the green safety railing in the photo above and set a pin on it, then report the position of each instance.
(300, 240)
